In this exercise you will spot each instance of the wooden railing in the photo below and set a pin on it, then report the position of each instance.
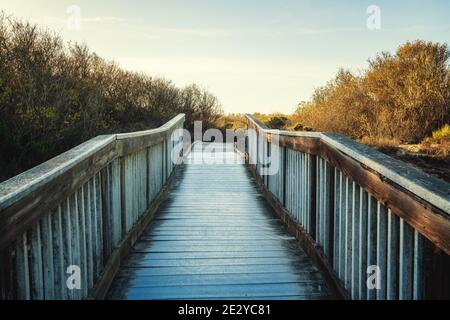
(80, 212)
(358, 212)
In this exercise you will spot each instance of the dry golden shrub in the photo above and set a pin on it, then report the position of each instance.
(401, 97)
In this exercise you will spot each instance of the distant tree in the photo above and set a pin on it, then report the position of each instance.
(409, 91)
(403, 96)
(54, 96)
(277, 122)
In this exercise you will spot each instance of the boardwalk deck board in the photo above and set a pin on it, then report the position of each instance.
(216, 237)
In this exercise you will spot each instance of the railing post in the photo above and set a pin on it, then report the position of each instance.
(147, 172)
(164, 159)
(267, 163)
(7, 279)
(284, 175)
(106, 210)
(313, 193)
(257, 153)
(371, 239)
(330, 206)
(123, 197)
(167, 158)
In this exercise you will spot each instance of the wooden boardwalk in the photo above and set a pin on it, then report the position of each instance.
(216, 237)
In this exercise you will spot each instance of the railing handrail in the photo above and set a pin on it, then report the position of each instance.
(85, 207)
(164, 128)
(22, 184)
(429, 188)
(352, 207)
(15, 189)
(419, 198)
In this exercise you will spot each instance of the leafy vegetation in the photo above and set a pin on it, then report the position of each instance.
(442, 133)
(232, 121)
(53, 96)
(401, 97)
(439, 142)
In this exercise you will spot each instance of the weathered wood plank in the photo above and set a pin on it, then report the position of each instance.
(371, 242)
(406, 261)
(22, 268)
(392, 256)
(362, 262)
(58, 253)
(83, 242)
(47, 257)
(382, 230)
(179, 245)
(220, 279)
(8, 285)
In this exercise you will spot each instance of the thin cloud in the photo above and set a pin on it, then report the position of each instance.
(328, 30)
(209, 33)
(52, 20)
(103, 19)
(217, 33)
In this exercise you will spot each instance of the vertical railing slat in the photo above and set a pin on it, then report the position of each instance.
(362, 262)
(67, 246)
(115, 203)
(406, 261)
(331, 216)
(313, 195)
(23, 272)
(94, 234)
(371, 241)
(37, 282)
(348, 232)
(58, 253)
(106, 211)
(355, 241)
(382, 248)
(75, 241)
(47, 257)
(99, 226)
(342, 243)
(337, 220)
(89, 235)
(83, 244)
(418, 276)
(392, 256)
(8, 285)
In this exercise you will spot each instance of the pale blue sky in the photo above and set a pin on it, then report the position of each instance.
(261, 56)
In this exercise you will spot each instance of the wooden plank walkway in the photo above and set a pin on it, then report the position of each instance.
(215, 237)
